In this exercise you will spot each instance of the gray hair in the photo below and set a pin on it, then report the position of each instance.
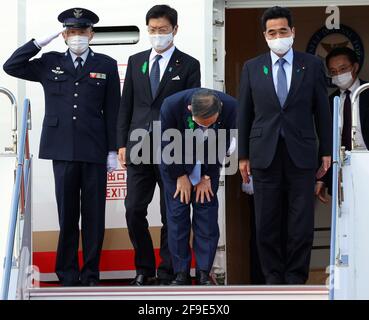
(205, 103)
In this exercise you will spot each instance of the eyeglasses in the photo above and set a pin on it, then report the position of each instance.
(161, 30)
(340, 70)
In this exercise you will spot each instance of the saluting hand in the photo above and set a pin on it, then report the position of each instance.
(184, 187)
(245, 170)
(45, 41)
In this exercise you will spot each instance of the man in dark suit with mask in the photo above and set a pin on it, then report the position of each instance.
(343, 67)
(82, 97)
(151, 76)
(283, 104)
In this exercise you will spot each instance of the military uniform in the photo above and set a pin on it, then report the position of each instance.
(79, 129)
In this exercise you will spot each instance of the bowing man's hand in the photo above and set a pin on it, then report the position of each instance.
(245, 170)
(326, 163)
(184, 187)
(203, 189)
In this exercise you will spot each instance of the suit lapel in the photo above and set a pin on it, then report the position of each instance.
(67, 63)
(267, 74)
(298, 72)
(173, 64)
(143, 73)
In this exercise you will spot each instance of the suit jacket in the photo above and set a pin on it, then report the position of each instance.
(174, 114)
(305, 113)
(80, 110)
(364, 122)
(138, 108)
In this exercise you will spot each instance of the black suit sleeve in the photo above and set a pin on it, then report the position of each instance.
(20, 66)
(194, 79)
(125, 109)
(245, 114)
(323, 119)
(111, 106)
(168, 121)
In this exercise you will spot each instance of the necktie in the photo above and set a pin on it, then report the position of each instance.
(281, 83)
(195, 175)
(155, 76)
(347, 122)
(79, 66)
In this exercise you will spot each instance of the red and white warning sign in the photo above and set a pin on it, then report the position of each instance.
(116, 185)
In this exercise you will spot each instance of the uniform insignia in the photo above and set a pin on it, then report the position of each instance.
(96, 75)
(57, 70)
(78, 13)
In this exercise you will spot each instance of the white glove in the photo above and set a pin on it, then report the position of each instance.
(248, 187)
(112, 161)
(45, 41)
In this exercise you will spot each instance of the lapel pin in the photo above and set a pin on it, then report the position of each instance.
(265, 70)
(170, 69)
(144, 67)
(177, 62)
(191, 124)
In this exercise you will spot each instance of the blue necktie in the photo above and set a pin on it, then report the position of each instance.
(282, 90)
(195, 175)
(155, 76)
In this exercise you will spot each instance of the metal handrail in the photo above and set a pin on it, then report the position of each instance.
(335, 168)
(355, 111)
(14, 119)
(17, 200)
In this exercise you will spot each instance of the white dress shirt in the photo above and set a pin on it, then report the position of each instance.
(163, 62)
(358, 136)
(84, 56)
(287, 66)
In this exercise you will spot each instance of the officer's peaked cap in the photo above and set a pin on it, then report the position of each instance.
(78, 18)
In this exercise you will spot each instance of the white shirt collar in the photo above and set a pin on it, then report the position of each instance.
(84, 55)
(353, 87)
(165, 55)
(288, 57)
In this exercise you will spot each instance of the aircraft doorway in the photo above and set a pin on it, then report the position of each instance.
(244, 40)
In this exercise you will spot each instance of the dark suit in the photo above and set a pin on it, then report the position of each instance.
(78, 131)
(364, 122)
(174, 115)
(282, 148)
(139, 109)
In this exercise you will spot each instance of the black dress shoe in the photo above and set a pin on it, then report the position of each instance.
(181, 279)
(164, 281)
(142, 280)
(203, 278)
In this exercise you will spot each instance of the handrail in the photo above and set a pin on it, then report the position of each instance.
(17, 200)
(335, 167)
(355, 111)
(14, 119)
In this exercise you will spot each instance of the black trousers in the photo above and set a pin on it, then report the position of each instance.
(80, 189)
(141, 183)
(284, 248)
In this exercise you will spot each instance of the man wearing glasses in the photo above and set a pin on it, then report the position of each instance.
(151, 76)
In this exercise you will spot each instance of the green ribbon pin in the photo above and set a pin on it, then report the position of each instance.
(266, 70)
(191, 124)
(144, 67)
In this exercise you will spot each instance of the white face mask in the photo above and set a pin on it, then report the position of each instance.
(160, 41)
(343, 81)
(77, 44)
(280, 45)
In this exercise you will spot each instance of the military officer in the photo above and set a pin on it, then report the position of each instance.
(82, 94)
